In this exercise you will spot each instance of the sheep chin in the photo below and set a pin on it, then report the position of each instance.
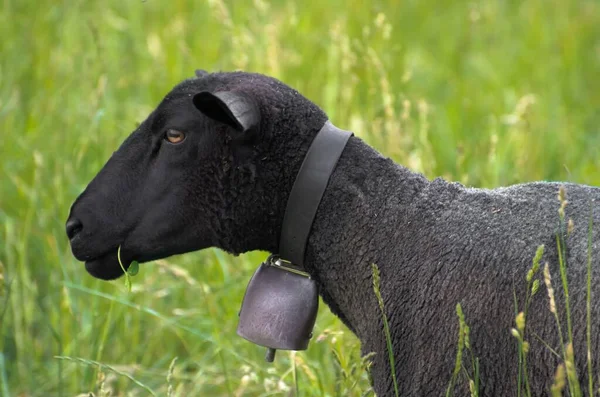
(106, 267)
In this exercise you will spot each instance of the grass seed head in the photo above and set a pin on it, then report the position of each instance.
(472, 387)
(570, 226)
(548, 282)
(562, 198)
(535, 287)
(559, 381)
(520, 321)
(562, 194)
(525, 347)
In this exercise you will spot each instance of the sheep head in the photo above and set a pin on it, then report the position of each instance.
(211, 166)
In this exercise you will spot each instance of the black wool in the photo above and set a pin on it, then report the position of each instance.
(436, 243)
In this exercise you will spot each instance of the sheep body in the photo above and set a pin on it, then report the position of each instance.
(436, 243)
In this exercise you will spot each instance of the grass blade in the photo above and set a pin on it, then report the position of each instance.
(588, 301)
(107, 367)
(3, 377)
(386, 327)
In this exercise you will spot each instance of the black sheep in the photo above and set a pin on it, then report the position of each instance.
(192, 176)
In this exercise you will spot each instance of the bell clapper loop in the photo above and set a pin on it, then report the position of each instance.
(270, 355)
(274, 260)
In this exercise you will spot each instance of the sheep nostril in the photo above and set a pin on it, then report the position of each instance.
(74, 226)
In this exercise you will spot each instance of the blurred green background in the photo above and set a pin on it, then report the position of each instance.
(486, 93)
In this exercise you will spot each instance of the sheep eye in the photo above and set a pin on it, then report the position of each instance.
(174, 136)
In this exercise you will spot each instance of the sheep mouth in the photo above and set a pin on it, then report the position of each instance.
(107, 267)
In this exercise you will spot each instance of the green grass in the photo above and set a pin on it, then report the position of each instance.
(487, 93)
(386, 327)
(461, 365)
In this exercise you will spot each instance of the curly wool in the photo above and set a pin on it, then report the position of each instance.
(436, 243)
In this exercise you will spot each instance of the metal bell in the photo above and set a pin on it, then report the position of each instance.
(279, 308)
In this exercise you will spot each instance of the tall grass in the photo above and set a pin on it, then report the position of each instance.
(533, 284)
(487, 93)
(471, 375)
(588, 306)
(566, 372)
(386, 326)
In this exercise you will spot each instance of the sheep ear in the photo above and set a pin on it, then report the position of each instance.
(201, 73)
(231, 108)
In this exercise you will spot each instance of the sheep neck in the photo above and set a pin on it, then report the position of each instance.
(365, 201)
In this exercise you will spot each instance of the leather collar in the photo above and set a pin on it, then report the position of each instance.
(307, 191)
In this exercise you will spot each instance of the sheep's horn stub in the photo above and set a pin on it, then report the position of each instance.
(200, 73)
(232, 108)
